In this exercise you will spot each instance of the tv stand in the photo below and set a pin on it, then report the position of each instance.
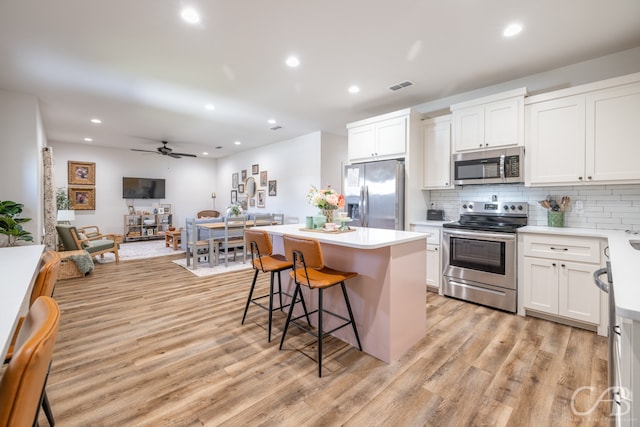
(146, 226)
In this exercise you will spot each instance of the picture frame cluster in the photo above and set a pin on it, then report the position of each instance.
(240, 188)
(81, 177)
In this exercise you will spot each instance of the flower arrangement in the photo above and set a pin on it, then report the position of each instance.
(325, 199)
(235, 209)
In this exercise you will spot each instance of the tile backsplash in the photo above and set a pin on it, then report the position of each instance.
(604, 206)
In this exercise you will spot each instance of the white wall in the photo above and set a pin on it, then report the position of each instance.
(21, 141)
(296, 164)
(189, 182)
(605, 67)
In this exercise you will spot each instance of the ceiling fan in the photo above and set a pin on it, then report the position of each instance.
(166, 151)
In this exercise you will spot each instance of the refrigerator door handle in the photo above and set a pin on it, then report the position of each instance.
(365, 202)
(361, 206)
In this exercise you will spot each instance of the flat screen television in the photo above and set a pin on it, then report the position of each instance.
(142, 188)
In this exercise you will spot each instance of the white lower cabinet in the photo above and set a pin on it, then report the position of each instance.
(434, 263)
(558, 277)
(563, 288)
(434, 272)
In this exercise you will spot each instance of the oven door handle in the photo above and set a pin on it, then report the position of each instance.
(596, 277)
(498, 237)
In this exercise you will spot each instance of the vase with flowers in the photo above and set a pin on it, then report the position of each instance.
(327, 200)
(234, 209)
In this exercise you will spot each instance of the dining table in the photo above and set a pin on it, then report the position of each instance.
(19, 266)
(213, 247)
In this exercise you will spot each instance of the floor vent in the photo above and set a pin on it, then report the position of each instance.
(400, 85)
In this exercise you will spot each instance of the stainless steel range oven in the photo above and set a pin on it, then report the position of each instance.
(479, 253)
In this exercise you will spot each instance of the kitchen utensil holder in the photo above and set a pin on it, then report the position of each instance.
(555, 219)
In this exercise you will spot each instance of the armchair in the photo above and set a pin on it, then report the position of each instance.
(98, 244)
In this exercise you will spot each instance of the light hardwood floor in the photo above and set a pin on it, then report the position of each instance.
(145, 343)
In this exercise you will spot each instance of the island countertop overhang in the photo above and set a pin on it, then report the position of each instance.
(359, 238)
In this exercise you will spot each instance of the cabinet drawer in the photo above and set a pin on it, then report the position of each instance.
(567, 248)
(434, 238)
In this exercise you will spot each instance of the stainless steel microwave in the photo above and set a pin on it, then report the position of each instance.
(499, 166)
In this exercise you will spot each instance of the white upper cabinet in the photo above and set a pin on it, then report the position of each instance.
(587, 134)
(381, 137)
(491, 122)
(555, 140)
(613, 136)
(436, 149)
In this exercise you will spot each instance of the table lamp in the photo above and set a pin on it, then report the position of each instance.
(66, 216)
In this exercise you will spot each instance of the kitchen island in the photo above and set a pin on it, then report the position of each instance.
(388, 297)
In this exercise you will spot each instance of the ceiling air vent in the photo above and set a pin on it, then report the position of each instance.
(400, 85)
(276, 127)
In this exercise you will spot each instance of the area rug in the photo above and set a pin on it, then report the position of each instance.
(139, 250)
(204, 270)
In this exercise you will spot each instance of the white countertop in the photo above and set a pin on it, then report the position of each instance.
(19, 266)
(625, 263)
(361, 238)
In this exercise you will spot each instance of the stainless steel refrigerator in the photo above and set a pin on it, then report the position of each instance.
(374, 194)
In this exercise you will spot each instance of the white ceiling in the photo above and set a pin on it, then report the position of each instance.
(147, 74)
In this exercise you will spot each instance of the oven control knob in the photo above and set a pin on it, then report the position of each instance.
(520, 207)
(464, 206)
(505, 207)
(513, 208)
(470, 206)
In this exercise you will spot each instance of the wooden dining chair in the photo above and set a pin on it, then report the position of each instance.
(25, 377)
(234, 228)
(309, 271)
(194, 247)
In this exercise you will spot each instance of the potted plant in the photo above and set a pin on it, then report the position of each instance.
(10, 223)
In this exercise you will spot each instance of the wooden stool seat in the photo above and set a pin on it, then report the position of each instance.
(263, 259)
(309, 270)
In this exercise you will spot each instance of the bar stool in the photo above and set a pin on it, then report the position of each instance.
(263, 259)
(309, 270)
(23, 383)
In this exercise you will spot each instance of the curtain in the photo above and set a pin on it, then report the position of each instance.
(49, 191)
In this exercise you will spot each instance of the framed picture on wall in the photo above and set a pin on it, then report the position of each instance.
(240, 188)
(263, 178)
(81, 173)
(167, 208)
(273, 188)
(261, 197)
(234, 196)
(252, 203)
(234, 180)
(82, 198)
(255, 169)
(243, 175)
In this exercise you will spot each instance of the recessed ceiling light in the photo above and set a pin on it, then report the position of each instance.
(293, 61)
(88, 139)
(271, 121)
(204, 153)
(512, 29)
(190, 15)
(96, 121)
(353, 89)
(210, 107)
(237, 142)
